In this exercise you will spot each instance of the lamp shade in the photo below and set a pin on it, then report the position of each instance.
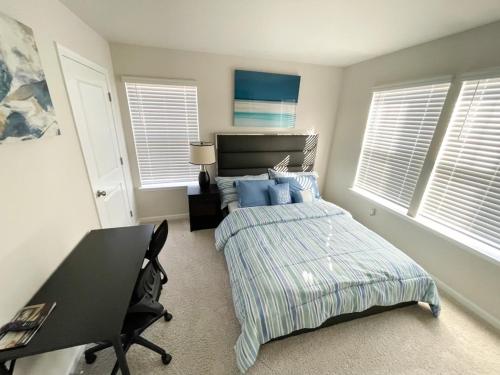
(202, 153)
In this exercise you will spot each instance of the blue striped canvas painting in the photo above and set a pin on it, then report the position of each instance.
(266, 100)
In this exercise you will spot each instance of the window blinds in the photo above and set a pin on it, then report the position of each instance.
(164, 122)
(399, 130)
(464, 191)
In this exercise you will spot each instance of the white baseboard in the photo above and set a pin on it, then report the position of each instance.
(157, 219)
(468, 304)
(76, 357)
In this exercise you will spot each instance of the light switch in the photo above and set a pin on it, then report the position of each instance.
(373, 211)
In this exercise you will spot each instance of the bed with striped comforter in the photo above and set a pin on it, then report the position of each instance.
(294, 266)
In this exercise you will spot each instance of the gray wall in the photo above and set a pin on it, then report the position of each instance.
(316, 110)
(475, 277)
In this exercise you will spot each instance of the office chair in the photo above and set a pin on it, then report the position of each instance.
(156, 244)
(144, 309)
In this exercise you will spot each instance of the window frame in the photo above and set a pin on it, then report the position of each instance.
(411, 210)
(136, 173)
(469, 241)
(463, 241)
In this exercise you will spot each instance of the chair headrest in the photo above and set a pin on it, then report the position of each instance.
(157, 240)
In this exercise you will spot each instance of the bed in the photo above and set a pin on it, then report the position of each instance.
(298, 267)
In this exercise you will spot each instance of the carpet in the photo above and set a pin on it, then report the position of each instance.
(204, 330)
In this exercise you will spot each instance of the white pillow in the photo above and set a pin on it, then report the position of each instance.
(306, 195)
(233, 206)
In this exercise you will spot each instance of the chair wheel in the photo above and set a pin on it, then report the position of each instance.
(166, 358)
(90, 358)
(168, 317)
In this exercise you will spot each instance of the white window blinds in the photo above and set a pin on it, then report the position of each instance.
(464, 191)
(399, 130)
(164, 121)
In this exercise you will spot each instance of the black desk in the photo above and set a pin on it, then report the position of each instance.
(92, 288)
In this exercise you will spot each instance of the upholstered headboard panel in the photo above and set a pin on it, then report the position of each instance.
(252, 154)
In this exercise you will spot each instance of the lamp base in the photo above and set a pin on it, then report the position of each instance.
(204, 180)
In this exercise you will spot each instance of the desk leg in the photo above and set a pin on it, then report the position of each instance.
(120, 356)
(4, 370)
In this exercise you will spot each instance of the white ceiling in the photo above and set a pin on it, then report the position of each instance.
(332, 32)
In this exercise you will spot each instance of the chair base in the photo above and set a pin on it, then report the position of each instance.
(90, 356)
(128, 341)
(165, 357)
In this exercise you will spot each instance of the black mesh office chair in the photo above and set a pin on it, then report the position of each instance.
(144, 309)
(156, 244)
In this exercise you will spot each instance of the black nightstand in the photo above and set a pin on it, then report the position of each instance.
(204, 207)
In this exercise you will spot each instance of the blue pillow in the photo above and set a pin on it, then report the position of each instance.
(227, 188)
(280, 194)
(252, 193)
(300, 183)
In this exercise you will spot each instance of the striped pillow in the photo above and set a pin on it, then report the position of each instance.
(227, 190)
(273, 174)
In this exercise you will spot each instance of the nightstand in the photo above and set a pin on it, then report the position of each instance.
(204, 207)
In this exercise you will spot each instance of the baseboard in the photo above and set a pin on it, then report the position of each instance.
(468, 304)
(74, 363)
(157, 219)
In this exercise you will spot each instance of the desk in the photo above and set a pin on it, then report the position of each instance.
(92, 288)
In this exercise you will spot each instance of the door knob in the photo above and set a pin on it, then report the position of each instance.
(101, 193)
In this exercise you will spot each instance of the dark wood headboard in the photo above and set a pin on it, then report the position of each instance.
(252, 154)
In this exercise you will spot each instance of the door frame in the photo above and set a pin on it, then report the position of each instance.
(64, 52)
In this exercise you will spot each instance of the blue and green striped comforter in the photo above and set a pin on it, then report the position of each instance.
(294, 266)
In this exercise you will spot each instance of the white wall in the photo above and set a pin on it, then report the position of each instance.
(472, 276)
(46, 204)
(319, 87)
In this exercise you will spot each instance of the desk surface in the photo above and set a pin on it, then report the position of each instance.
(92, 288)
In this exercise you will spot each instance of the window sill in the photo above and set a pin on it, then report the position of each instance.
(488, 255)
(171, 186)
(381, 201)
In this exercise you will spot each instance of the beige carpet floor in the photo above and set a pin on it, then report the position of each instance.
(204, 330)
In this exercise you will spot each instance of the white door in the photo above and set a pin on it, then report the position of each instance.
(90, 101)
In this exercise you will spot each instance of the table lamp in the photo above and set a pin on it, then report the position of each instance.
(202, 153)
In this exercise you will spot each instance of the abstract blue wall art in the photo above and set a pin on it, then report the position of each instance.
(26, 110)
(265, 100)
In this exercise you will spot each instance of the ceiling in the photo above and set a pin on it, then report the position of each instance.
(331, 32)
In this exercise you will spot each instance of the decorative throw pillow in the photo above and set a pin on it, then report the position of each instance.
(302, 196)
(275, 174)
(233, 206)
(280, 194)
(227, 190)
(253, 193)
(300, 183)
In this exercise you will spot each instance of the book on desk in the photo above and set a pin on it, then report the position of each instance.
(25, 324)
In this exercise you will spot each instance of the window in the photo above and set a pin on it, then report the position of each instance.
(164, 121)
(400, 128)
(463, 195)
